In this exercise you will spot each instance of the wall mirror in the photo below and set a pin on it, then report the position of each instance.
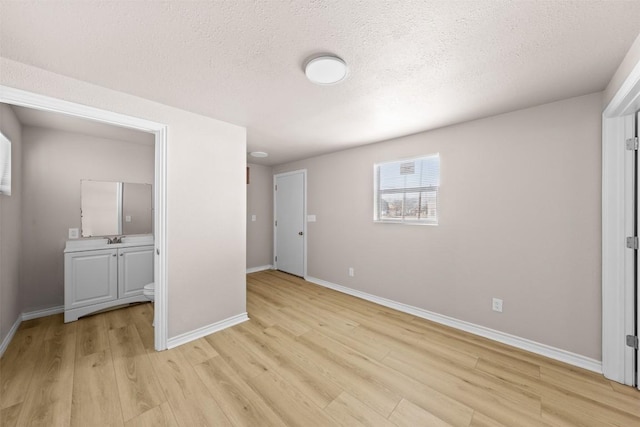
(115, 208)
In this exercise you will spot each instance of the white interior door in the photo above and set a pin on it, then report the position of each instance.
(289, 222)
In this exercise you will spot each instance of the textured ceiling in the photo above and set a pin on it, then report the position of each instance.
(63, 122)
(413, 65)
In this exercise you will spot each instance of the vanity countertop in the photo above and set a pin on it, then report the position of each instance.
(78, 245)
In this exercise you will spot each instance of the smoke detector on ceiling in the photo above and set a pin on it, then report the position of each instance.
(258, 154)
(326, 70)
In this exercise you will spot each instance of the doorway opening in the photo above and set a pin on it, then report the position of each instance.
(619, 234)
(35, 101)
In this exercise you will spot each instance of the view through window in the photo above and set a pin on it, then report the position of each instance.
(406, 191)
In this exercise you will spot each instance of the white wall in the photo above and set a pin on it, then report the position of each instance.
(54, 162)
(10, 220)
(520, 220)
(260, 204)
(206, 220)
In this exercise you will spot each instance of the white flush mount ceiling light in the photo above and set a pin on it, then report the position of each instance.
(258, 154)
(326, 70)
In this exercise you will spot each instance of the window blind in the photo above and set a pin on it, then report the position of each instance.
(406, 191)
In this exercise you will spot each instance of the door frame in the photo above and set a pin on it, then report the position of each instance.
(9, 95)
(618, 315)
(304, 219)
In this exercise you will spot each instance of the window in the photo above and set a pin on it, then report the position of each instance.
(406, 191)
(5, 165)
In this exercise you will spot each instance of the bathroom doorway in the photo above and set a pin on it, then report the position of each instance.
(19, 98)
(620, 218)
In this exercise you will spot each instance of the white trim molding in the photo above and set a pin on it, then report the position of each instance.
(617, 223)
(23, 98)
(502, 337)
(7, 340)
(206, 330)
(261, 268)
(28, 315)
(36, 314)
(161, 229)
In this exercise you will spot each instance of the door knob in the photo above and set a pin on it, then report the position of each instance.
(300, 233)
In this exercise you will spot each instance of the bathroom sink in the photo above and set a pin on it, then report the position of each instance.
(105, 243)
(84, 244)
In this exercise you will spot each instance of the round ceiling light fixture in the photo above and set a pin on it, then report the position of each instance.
(258, 154)
(326, 70)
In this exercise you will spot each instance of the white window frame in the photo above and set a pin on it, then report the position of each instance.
(377, 192)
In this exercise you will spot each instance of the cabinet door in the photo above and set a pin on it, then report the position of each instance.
(135, 269)
(91, 277)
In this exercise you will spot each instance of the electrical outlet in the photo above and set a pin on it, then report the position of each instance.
(497, 305)
(351, 272)
(253, 218)
(74, 233)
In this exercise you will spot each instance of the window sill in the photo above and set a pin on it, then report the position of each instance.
(377, 221)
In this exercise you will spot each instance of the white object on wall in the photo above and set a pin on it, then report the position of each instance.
(5, 165)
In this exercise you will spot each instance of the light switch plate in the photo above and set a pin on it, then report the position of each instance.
(74, 233)
(311, 218)
(253, 218)
(127, 218)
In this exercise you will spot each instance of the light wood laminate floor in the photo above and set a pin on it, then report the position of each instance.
(309, 356)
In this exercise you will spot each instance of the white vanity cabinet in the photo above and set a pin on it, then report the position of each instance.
(91, 277)
(135, 269)
(98, 275)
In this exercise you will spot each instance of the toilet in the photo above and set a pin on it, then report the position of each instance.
(149, 292)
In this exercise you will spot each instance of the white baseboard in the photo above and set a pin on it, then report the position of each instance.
(9, 337)
(27, 316)
(42, 313)
(502, 337)
(261, 268)
(206, 330)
